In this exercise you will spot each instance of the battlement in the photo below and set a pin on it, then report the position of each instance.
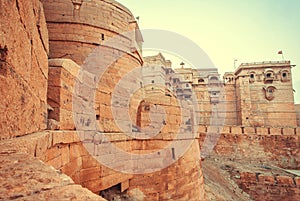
(264, 63)
(242, 130)
(278, 146)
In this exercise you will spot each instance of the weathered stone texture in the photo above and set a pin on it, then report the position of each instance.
(64, 151)
(276, 146)
(269, 187)
(182, 180)
(63, 75)
(23, 67)
(297, 107)
(23, 177)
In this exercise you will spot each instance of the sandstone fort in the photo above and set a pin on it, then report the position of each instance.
(85, 116)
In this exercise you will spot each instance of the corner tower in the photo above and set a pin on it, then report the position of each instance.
(265, 94)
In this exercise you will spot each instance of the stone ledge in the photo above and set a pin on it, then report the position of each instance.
(23, 177)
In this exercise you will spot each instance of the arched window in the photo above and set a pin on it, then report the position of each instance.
(200, 80)
(214, 78)
(251, 76)
(284, 76)
(269, 76)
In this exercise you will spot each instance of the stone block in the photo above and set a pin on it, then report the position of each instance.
(262, 131)
(236, 130)
(201, 129)
(269, 180)
(249, 130)
(52, 153)
(275, 131)
(88, 161)
(225, 130)
(77, 151)
(288, 131)
(64, 137)
(285, 181)
(72, 167)
(88, 174)
(214, 130)
(298, 130)
(248, 177)
(55, 162)
(63, 74)
(297, 181)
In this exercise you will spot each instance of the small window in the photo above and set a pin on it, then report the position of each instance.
(214, 93)
(187, 85)
(152, 81)
(270, 90)
(252, 76)
(284, 75)
(269, 75)
(200, 80)
(102, 36)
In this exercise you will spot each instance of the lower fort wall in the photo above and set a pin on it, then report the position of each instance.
(64, 151)
(278, 146)
(269, 187)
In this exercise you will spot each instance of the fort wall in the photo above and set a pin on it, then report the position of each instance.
(277, 146)
(64, 151)
(76, 29)
(297, 108)
(75, 156)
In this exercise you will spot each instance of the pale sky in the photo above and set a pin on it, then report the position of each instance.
(249, 31)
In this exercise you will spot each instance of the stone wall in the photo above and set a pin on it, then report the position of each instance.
(277, 146)
(90, 58)
(23, 68)
(269, 187)
(297, 107)
(183, 180)
(64, 151)
(231, 117)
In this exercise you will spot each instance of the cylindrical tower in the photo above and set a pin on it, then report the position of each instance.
(104, 33)
(76, 27)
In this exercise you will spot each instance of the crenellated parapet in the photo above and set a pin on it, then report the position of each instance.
(246, 130)
(262, 145)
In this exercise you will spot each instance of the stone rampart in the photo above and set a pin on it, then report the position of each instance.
(64, 151)
(269, 187)
(78, 27)
(278, 146)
